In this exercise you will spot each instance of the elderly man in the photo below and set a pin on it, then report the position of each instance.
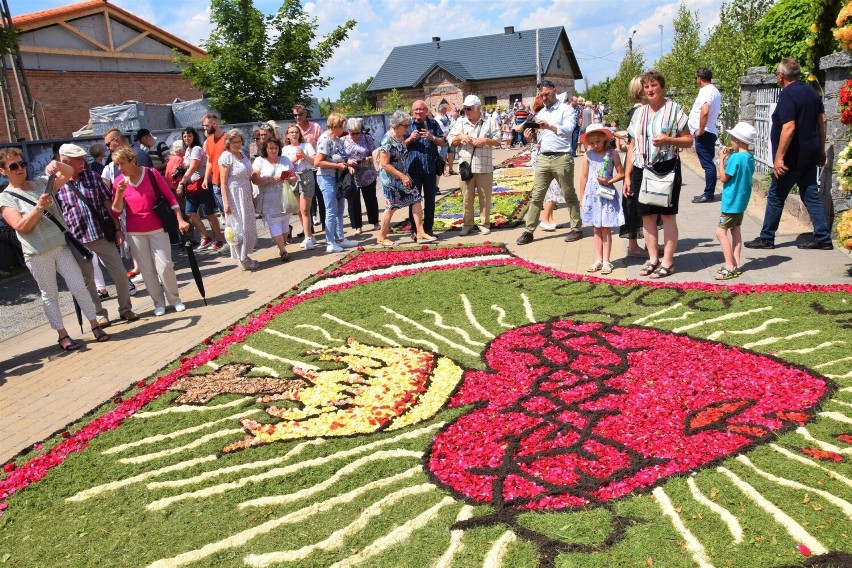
(86, 201)
(556, 124)
(702, 124)
(473, 137)
(423, 140)
(798, 147)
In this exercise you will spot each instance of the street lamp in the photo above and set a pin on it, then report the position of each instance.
(630, 41)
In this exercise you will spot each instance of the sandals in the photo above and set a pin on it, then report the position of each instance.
(285, 256)
(425, 238)
(100, 334)
(607, 268)
(595, 267)
(662, 272)
(649, 268)
(387, 243)
(725, 273)
(68, 344)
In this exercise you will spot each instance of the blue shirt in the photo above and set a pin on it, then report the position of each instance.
(422, 153)
(561, 116)
(737, 190)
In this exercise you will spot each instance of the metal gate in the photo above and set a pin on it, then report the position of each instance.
(767, 98)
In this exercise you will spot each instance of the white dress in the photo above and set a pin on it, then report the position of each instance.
(240, 199)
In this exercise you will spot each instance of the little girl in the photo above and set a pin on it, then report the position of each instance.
(601, 201)
(506, 130)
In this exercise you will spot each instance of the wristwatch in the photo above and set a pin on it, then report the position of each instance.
(39, 208)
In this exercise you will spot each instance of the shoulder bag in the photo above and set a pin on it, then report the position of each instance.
(161, 206)
(658, 178)
(69, 238)
(465, 171)
(105, 222)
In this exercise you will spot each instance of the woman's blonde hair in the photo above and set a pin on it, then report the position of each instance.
(335, 120)
(124, 154)
(233, 133)
(634, 88)
(9, 155)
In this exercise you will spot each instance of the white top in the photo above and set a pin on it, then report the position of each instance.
(307, 161)
(195, 153)
(710, 95)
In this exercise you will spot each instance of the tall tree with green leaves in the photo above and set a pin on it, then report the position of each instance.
(355, 99)
(678, 66)
(619, 99)
(599, 92)
(730, 50)
(258, 66)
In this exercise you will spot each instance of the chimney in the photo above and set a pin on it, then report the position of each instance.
(509, 30)
(436, 39)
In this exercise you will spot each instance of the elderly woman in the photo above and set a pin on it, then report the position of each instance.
(400, 192)
(301, 154)
(632, 227)
(235, 177)
(199, 201)
(24, 206)
(136, 193)
(658, 130)
(359, 146)
(174, 167)
(269, 171)
(330, 159)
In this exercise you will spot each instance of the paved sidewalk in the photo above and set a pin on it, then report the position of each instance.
(43, 390)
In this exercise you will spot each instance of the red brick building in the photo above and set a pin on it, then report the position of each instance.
(92, 54)
(500, 69)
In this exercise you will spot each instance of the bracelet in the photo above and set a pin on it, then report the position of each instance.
(39, 208)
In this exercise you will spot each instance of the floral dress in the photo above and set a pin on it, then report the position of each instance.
(397, 195)
(597, 211)
(240, 199)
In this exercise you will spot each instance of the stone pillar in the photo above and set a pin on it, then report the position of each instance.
(837, 67)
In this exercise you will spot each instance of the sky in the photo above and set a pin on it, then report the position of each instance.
(598, 30)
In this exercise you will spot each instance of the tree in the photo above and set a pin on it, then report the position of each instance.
(355, 99)
(618, 98)
(9, 39)
(678, 66)
(599, 92)
(394, 101)
(258, 66)
(730, 50)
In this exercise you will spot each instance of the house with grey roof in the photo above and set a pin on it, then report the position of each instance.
(500, 68)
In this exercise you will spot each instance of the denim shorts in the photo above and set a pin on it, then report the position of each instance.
(203, 203)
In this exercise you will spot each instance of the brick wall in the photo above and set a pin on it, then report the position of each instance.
(68, 96)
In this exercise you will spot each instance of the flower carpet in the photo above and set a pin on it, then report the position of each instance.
(459, 406)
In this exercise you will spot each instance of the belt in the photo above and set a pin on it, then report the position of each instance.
(553, 153)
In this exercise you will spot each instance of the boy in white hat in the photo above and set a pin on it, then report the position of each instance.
(736, 168)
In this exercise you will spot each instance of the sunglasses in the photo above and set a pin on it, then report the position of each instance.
(467, 108)
(15, 166)
(297, 114)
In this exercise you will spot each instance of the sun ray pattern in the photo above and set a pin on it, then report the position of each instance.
(428, 344)
(528, 308)
(179, 449)
(337, 538)
(468, 311)
(193, 408)
(497, 554)
(429, 332)
(650, 317)
(284, 360)
(752, 331)
(321, 330)
(301, 340)
(456, 545)
(793, 528)
(726, 317)
(834, 362)
(727, 517)
(839, 418)
(806, 350)
(773, 340)
(366, 331)
(810, 463)
(439, 322)
(696, 549)
(501, 316)
(683, 317)
(803, 432)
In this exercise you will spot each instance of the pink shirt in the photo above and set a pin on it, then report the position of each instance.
(139, 202)
(311, 134)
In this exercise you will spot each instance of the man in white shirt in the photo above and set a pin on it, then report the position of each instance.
(702, 124)
(556, 124)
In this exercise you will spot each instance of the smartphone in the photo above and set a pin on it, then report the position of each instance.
(51, 181)
(531, 124)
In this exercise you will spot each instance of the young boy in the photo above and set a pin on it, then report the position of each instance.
(736, 168)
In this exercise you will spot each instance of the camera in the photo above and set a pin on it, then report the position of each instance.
(179, 172)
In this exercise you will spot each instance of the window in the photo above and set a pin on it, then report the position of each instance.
(491, 101)
(516, 98)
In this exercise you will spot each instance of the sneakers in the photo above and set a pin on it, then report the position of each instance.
(179, 307)
(816, 245)
(205, 242)
(133, 289)
(758, 243)
(465, 231)
(549, 227)
(159, 311)
(333, 247)
(703, 199)
(308, 244)
(484, 230)
(574, 235)
(525, 238)
(137, 279)
(131, 274)
(216, 247)
(103, 321)
(129, 316)
(347, 244)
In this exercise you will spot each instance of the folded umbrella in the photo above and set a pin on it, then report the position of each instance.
(196, 272)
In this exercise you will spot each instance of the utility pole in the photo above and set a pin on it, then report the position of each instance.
(661, 41)
(630, 41)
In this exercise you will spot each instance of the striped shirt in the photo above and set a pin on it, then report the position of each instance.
(646, 124)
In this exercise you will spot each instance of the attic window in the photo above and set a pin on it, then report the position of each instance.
(559, 63)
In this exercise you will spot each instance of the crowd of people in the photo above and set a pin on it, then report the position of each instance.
(77, 216)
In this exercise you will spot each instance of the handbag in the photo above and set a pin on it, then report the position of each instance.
(607, 193)
(161, 206)
(70, 239)
(105, 222)
(658, 183)
(345, 184)
(465, 172)
(289, 200)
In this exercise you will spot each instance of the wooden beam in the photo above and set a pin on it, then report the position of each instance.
(101, 54)
(108, 27)
(75, 31)
(130, 42)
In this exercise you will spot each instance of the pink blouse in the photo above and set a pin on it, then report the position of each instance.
(139, 202)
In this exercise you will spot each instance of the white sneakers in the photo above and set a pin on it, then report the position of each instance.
(547, 226)
(334, 247)
(160, 311)
(347, 244)
(179, 307)
(308, 244)
(483, 230)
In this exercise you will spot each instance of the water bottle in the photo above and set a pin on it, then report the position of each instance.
(606, 164)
